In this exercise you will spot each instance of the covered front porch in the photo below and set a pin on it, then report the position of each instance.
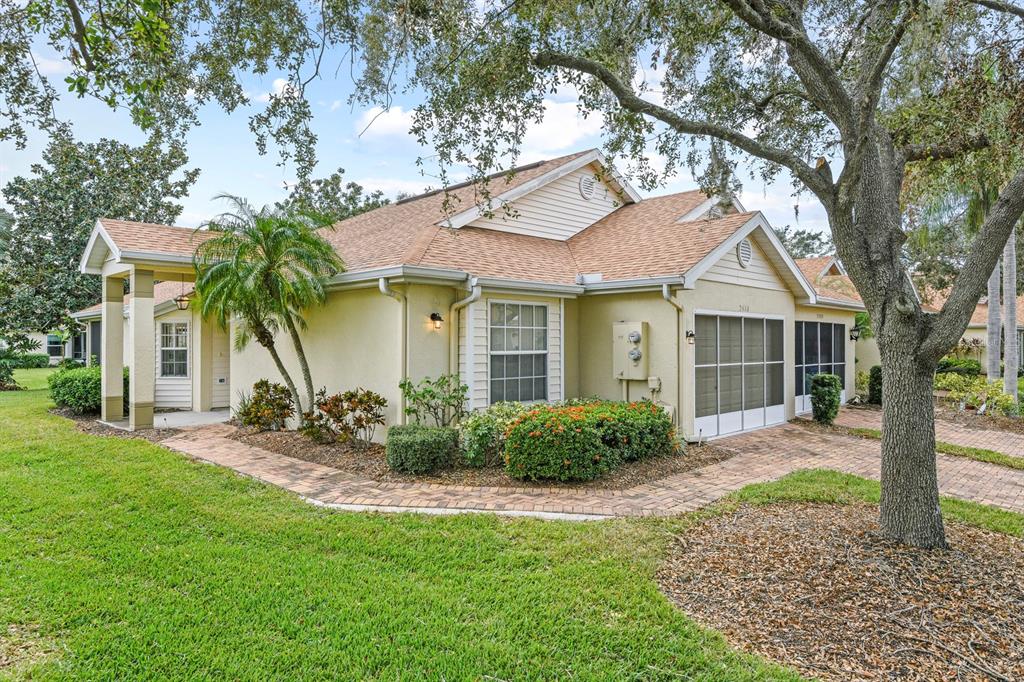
(176, 360)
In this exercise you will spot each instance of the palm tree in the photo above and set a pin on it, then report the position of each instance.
(1011, 353)
(265, 269)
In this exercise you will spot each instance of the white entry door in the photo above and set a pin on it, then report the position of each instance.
(739, 373)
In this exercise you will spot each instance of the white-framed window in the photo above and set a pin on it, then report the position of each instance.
(54, 346)
(174, 349)
(518, 357)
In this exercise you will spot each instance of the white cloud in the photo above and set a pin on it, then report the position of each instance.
(279, 86)
(563, 129)
(49, 66)
(335, 105)
(392, 186)
(380, 122)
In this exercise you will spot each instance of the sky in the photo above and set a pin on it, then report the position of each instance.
(379, 155)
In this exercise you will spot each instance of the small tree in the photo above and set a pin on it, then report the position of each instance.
(265, 268)
(442, 400)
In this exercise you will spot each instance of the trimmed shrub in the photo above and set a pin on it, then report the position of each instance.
(70, 363)
(875, 385)
(30, 361)
(826, 390)
(482, 434)
(418, 449)
(977, 392)
(7, 382)
(965, 366)
(267, 408)
(582, 442)
(79, 389)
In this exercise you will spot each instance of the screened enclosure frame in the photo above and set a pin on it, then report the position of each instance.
(755, 409)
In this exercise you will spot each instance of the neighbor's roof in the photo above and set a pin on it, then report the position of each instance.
(813, 268)
(979, 318)
(163, 292)
(834, 287)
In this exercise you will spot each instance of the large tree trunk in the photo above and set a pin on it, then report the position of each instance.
(265, 338)
(993, 327)
(1011, 353)
(909, 511)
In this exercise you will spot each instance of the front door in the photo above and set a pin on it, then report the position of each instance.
(739, 373)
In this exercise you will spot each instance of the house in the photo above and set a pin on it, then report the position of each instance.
(566, 283)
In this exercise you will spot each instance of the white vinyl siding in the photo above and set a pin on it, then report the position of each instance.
(473, 325)
(759, 273)
(555, 211)
(173, 392)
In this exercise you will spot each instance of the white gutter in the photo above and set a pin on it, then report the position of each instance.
(403, 344)
(549, 288)
(399, 272)
(453, 324)
(666, 293)
(649, 283)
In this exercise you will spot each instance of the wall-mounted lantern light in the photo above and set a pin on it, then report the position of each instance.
(854, 333)
(691, 337)
(436, 319)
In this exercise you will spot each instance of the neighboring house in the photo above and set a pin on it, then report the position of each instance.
(571, 285)
(977, 328)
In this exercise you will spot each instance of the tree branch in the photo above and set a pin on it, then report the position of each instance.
(938, 152)
(969, 285)
(630, 101)
(810, 65)
(79, 34)
(1000, 6)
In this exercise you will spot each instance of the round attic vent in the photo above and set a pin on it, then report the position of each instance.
(588, 186)
(744, 252)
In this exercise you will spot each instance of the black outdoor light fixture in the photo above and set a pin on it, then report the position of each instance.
(691, 337)
(436, 319)
(181, 300)
(854, 333)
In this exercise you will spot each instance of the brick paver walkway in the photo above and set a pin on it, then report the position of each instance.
(1005, 442)
(760, 456)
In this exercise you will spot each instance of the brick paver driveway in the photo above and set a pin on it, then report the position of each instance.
(760, 456)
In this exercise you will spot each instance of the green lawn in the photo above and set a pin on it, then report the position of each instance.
(33, 378)
(979, 454)
(129, 561)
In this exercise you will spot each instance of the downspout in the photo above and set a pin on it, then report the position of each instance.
(453, 324)
(385, 289)
(666, 293)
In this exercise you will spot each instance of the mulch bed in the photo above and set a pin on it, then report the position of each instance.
(88, 424)
(816, 588)
(370, 462)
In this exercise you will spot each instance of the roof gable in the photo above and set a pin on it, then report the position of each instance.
(558, 208)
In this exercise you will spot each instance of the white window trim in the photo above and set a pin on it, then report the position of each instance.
(187, 349)
(797, 351)
(547, 349)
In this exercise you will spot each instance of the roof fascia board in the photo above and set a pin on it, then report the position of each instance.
(400, 274)
(469, 215)
(526, 286)
(98, 232)
(639, 284)
(756, 221)
(825, 302)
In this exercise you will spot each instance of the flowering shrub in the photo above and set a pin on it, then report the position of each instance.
(583, 442)
(482, 434)
(354, 415)
(268, 408)
(977, 392)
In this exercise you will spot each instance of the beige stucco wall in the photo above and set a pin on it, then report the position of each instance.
(834, 316)
(868, 355)
(353, 340)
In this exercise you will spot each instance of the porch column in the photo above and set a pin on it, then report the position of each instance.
(142, 369)
(202, 363)
(111, 350)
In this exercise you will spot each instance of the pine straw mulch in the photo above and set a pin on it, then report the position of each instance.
(89, 424)
(816, 588)
(370, 462)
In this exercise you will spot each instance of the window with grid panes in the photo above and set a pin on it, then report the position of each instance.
(518, 342)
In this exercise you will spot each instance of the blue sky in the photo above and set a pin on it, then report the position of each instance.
(381, 157)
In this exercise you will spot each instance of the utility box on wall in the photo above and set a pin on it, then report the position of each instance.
(629, 350)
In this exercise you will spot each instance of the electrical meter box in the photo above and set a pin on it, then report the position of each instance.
(629, 350)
